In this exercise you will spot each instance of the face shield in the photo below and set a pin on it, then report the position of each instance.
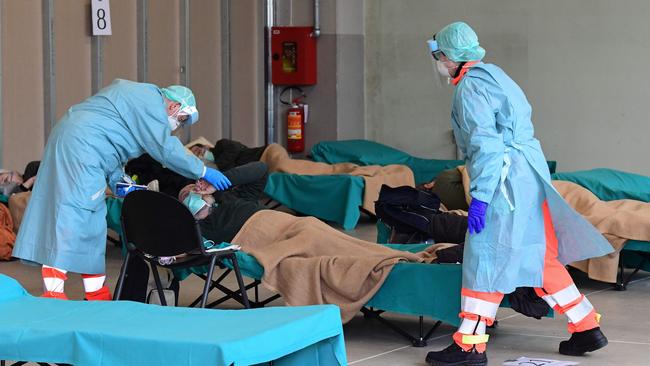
(440, 71)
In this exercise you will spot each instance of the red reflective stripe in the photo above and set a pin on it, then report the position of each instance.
(474, 317)
(92, 275)
(49, 272)
(463, 71)
(493, 297)
(589, 322)
(54, 295)
(103, 294)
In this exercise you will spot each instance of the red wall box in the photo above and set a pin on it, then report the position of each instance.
(293, 56)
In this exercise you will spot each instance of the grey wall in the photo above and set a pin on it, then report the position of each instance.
(336, 101)
(580, 63)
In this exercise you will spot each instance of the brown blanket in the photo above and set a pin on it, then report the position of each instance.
(308, 262)
(278, 160)
(618, 221)
(7, 235)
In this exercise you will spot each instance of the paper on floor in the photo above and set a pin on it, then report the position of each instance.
(526, 361)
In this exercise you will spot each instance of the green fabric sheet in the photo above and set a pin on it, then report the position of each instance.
(4, 199)
(329, 197)
(610, 184)
(365, 152)
(103, 333)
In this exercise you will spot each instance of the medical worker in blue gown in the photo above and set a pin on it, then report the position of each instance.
(64, 226)
(521, 232)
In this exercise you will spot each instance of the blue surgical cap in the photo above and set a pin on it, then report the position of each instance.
(459, 43)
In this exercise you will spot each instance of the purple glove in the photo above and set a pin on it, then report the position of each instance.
(476, 216)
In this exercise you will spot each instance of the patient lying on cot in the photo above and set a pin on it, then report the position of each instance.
(304, 259)
(13, 182)
(225, 154)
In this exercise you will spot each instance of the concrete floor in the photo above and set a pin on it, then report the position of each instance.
(625, 321)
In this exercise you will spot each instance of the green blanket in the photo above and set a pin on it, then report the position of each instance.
(329, 197)
(610, 184)
(364, 152)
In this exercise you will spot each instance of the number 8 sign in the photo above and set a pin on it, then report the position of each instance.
(101, 17)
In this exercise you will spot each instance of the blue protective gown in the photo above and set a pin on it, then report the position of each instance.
(64, 225)
(491, 118)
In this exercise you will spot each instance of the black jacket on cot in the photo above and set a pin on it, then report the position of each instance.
(230, 153)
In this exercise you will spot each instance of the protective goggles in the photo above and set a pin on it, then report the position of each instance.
(435, 50)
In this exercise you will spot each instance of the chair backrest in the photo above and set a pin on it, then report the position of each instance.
(159, 225)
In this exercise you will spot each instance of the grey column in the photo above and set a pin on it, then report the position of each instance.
(141, 15)
(97, 63)
(49, 77)
(185, 55)
(226, 118)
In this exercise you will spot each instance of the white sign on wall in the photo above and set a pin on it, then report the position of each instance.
(101, 16)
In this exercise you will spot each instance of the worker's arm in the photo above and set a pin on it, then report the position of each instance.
(484, 144)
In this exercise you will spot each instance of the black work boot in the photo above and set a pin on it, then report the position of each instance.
(581, 342)
(455, 356)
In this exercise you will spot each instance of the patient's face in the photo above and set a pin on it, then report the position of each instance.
(205, 211)
(10, 177)
(198, 150)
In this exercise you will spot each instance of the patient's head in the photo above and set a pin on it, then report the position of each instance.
(10, 177)
(198, 204)
(199, 150)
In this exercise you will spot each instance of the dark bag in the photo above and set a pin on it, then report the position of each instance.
(524, 300)
(414, 217)
(406, 209)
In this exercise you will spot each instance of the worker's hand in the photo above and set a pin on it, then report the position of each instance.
(217, 179)
(202, 187)
(476, 216)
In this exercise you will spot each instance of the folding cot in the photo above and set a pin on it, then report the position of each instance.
(609, 185)
(89, 333)
(418, 289)
(337, 197)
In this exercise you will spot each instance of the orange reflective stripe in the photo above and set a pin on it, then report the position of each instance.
(494, 297)
(474, 317)
(49, 272)
(463, 71)
(589, 322)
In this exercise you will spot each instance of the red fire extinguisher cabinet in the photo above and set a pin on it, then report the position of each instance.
(293, 56)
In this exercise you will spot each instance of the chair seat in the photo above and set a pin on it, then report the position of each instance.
(190, 260)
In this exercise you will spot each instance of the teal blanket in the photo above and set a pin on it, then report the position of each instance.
(610, 184)
(364, 152)
(329, 197)
(102, 333)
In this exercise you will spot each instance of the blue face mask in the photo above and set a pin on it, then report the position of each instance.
(208, 156)
(194, 202)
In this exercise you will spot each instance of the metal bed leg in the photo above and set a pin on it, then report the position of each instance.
(623, 281)
(420, 341)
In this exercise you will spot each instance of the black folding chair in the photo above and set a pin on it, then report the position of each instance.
(156, 228)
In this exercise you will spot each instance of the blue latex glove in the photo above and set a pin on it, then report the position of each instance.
(476, 216)
(217, 179)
